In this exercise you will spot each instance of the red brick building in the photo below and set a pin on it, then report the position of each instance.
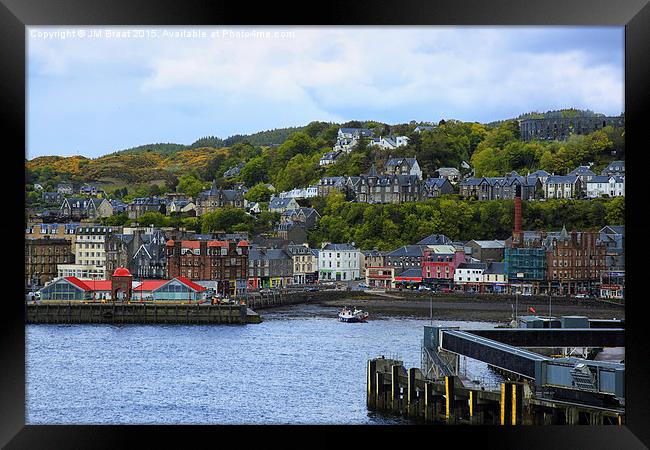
(225, 262)
(439, 263)
(574, 261)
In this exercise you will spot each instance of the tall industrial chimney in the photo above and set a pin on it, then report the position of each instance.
(516, 233)
(517, 209)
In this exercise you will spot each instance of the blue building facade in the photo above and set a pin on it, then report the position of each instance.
(525, 268)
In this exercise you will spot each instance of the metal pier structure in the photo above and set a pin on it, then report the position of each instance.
(509, 351)
(538, 388)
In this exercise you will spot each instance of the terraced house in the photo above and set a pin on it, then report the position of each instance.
(501, 188)
(374, 188)
(435, 187)
(403, 166)
(216, 197)
(563, 186)
(86, 208)
(269, 268)
(224, 262)
(307, 216)
(305, 263)
(142, 205)
(606, 186)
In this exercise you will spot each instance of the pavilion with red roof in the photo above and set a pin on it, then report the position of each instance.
(73, 288)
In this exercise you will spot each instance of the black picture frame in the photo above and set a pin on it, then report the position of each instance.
(15, 15)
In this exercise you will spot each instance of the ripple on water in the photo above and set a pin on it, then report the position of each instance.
(299, 366)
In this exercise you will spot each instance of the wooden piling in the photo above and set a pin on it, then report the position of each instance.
(395, 388)
(372, 383)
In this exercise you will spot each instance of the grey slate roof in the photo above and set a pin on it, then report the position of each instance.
(413, 272)
(491, 244)
(614, 166)
(330, 155)
(339, 247)
(618, 229)
(472, 266)
(269, 253)
(398, 161)
(581, 170)
(407, 250)
(435, 239)
(278, 202)
(605, 179)
(472, 181)
(555, 179)
(498, 268)
(435, 182)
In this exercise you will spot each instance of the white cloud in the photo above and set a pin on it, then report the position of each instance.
(336, 74)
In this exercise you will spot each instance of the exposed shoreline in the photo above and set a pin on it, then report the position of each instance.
(494, 310)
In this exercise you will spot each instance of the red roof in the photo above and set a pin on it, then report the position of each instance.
(99, 285)
(190, 244)
(217, 243)
(170, 242)
(77, 282)
(242, 244)
(121, 272)
(191, 284)
(150, 285)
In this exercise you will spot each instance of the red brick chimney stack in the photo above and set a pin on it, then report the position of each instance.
(517, 214)
(516, 233)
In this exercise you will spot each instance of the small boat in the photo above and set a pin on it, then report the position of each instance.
(347, 315)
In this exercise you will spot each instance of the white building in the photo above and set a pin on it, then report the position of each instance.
(90, 254)
(345, 145)
(609, 186)
(338, 262)
(389, 142)
(469, 273)
(568, 186)
(329, 158)
(421, 128)
(298, 193)
(350, 133)
(348, 138)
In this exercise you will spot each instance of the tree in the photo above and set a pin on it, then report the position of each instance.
(255, 171)
(615, 211)
(154, 190)
(258, 193)
(189, 185)
(223, 219)
(117, 220)
(153, 218)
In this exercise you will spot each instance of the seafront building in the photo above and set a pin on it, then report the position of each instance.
(224, 262)
(338, 262)
(90, 253)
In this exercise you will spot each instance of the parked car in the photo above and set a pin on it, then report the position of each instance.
(311, 289)
(265, 291)
(364, 286)
(581, 296)
(424, 288)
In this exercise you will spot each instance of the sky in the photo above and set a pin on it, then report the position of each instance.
(93, 91)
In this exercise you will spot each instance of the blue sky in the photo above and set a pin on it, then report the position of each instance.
(91, 94)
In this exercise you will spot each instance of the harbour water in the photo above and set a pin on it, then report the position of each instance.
(299, 366)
